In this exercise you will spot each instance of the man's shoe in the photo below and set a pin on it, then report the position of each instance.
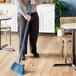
(36, 55)
(23, 57)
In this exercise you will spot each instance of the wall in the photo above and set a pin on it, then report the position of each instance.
(72, 5)
(12, 11)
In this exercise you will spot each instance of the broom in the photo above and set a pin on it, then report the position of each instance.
(18, 67)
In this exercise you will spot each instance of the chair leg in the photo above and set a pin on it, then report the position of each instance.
(65, 52)
(5, 35)
(62, 48)
(10, 36)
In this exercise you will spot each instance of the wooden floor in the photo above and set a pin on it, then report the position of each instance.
(49, 49)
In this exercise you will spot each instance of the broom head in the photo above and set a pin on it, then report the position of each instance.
(18, 68)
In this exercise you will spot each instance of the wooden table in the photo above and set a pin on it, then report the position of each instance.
(71, 26)
(4, 17)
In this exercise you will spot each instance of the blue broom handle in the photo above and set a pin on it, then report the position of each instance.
(25, 35)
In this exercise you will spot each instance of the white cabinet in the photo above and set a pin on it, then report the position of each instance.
(12, 11)
(46, 14)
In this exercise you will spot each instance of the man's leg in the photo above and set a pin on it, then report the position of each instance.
(21, 30)
(33, 31)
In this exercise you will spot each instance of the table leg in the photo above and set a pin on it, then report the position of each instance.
(73, 64)
(74, 48)
(2, 48)
(0, 34)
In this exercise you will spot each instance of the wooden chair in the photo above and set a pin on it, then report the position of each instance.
(4, 27)
(66, 38)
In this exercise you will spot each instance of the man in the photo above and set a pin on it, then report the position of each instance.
(23, 16)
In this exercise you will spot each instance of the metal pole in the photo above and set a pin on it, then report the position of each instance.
(0, 34)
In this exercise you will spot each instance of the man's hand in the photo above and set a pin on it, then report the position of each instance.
(27, 17)
(33, 2)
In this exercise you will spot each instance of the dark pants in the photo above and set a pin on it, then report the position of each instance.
(33, 31)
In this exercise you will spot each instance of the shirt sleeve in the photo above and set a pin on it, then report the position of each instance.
(39, 2)
(21, 7)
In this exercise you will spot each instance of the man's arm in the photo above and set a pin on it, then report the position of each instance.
(21, 7)
(39, 2)
(36, 2)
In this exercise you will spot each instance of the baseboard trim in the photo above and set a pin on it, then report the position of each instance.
(47, 34)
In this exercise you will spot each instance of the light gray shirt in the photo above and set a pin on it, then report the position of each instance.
(23, 6)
